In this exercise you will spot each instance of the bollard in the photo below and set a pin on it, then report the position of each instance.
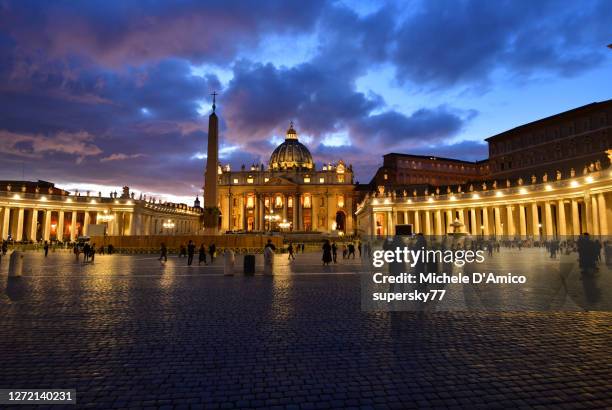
(249, 265)
(230, 261)
(16, 264)
(268, 261)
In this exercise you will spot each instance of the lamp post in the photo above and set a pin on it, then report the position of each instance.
(270, 218)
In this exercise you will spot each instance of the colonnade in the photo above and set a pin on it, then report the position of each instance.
(40, 220)
(552, 209)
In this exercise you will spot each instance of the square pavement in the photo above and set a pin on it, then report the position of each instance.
(127, 332)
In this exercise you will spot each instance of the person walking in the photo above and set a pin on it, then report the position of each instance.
(290, 250)
(163, 252)
(359, 248)
(190, 252)
(92, 252)
(270, 245)
(327, 253)
(211, 251)
(334, 250)
(351, 250)
(46, 248)
(202, 255)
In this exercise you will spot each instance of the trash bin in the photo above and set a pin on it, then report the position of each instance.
(249, 265)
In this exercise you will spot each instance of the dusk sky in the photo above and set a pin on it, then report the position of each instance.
(112, 93)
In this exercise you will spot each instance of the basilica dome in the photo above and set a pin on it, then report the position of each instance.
(291, 154)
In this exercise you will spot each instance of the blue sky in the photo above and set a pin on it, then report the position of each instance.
(100, 94)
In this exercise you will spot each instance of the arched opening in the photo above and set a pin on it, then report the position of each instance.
(340, 221)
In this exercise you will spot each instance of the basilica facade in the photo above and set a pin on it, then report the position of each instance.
(288, 194)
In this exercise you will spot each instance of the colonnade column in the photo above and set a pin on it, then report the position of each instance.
(473, 224)
(59, 231)
(427, 223)
(438, 222)
(522, 221)
(449, 220)
(19, 231)
(417, 222)
(561, 230)
(535, 220)
(301, 211)
(285, 198)
(497, 220)
(575, 218)
(485, 221)
(34, 225)
(588, 213)
(73, 226)
(603, 218)
(595, 213)
(86, 221)
(510, 221)
(47, 227)
(6, 213)
(548, 221)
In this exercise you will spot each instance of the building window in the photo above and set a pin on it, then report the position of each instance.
(306, 179)
(266, 179)
(340, 177)
(307, 201)
(278, 201)
(250, 180)
(385, 177)
(321, 180)
(340, 201)
(235, 180)
(250, 202)
(290, 202)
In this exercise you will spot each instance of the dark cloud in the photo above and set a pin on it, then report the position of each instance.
(445, 44)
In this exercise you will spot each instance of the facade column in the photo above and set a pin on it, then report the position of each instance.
(294, 222)
(417, 222)
(510, 221)
(595, 213)
(47, 227)
(473, 224)
(522, 221)
(603, 217)
(499, 231)
(485, 221)
(389, 218)
(561, 229)
(535, 220)
(301, 212)
(59, 231)
(19, 231)
(132, 224)
(461, 217)
(73, 222)
(548, 221)
(438, 222)
(575, 218)
(34, 225)
(285, 197)
(86, 222)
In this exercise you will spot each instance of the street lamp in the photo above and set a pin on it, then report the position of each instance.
(271, 217)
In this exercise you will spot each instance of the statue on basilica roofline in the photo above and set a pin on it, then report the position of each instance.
(534, 179)
(598, 165)
(507, 183)
(572, 172)
(471, 188)
(495, 184)
(558, 176)
(545, 177)
(520, 181)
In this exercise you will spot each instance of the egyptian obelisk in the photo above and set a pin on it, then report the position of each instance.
(211, 209)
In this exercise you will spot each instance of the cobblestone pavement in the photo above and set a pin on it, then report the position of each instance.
(127, 332)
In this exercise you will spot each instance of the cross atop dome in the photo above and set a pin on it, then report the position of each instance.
(291, 133)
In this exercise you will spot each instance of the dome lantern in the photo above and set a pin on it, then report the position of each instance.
(291, 154)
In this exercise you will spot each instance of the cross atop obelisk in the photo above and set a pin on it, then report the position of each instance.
(214, 95)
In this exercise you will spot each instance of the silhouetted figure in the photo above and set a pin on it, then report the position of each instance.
(92, 252)
(190, 252)
(327, 253)
(46, 248)
(211, 251)
(163, 252)
(334, 250)
(290, 250)
(351, 250)
(270, 245)
(359, 248)
(202, 255)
